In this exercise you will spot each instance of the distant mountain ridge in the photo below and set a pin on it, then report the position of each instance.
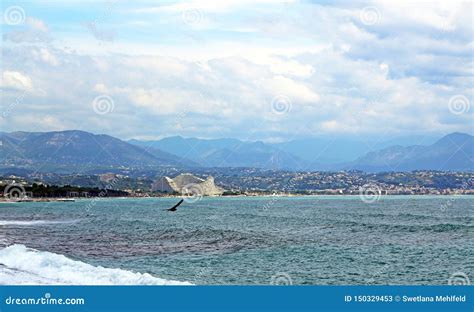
(313, 154)
(342, 149)
(226, 152)
(452, 152)
(76, 150)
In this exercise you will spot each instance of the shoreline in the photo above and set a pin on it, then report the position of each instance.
(73, 199)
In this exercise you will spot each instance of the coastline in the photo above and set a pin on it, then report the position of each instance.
(73, 199)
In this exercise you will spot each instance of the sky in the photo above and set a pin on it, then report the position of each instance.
(253, 70)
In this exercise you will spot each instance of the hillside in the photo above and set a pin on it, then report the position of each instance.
(77, 149)
(452, 152)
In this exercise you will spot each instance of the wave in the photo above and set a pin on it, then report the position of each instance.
(20, 265)
(33, 222)
(412, 216)
(439, 227)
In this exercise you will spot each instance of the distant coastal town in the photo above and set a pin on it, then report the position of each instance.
(74, 163)
(247, 182)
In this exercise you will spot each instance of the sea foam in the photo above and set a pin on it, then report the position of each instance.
(33, 222)
(20, 265)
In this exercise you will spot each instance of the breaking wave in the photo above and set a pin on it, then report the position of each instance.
(33, 222)
(20, 265)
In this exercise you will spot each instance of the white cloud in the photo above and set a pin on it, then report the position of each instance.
(341, 75)
(294, 90)
(46, 56)
(208, 5)
(284, 66)
(16, 80)
(37, 24)
(34, 30)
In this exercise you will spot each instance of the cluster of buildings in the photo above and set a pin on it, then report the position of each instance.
(250, 181)
(350, 182)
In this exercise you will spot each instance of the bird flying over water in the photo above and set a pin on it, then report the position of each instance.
(176, 206)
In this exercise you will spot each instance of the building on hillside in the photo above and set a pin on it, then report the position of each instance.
(187, 184)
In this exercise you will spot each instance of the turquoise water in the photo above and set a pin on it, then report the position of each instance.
(308, 240)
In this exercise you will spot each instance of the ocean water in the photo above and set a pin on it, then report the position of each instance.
(334, 240)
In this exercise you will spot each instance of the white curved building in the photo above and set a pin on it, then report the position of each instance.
(187, 183)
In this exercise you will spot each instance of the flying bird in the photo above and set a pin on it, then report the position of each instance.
(176, 206)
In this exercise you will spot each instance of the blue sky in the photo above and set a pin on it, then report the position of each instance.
(254, 70)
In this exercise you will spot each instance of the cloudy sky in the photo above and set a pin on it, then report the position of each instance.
(254, 70)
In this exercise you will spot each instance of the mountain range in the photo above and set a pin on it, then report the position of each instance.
(226, 152)
(76, 150)
(452, 152)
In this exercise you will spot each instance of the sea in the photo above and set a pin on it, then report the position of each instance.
(307, 240)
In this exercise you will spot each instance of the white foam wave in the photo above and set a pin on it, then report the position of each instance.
(25, 266)
(33, 222)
